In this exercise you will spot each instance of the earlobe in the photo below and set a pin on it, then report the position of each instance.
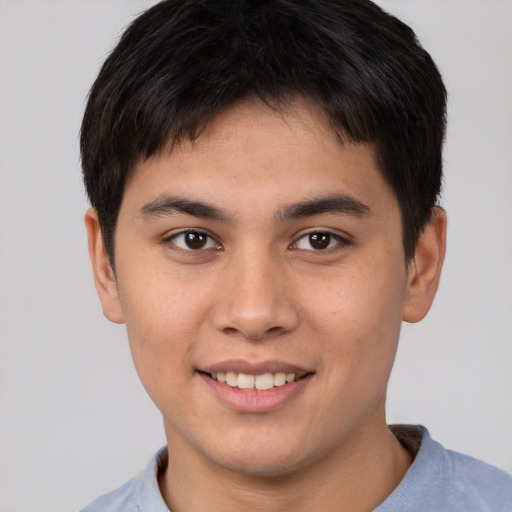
(104, 277)
(425, 268)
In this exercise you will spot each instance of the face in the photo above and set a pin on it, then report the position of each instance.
(268, 255)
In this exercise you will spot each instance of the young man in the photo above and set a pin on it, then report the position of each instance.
(264, 179)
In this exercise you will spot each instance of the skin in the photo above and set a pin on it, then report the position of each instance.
(259, 290)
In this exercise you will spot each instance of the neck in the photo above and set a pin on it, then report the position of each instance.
(357, 477)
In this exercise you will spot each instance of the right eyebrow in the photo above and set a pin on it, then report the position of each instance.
(165, 206)
(344, 204)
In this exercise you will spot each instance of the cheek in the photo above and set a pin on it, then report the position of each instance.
(367, 302)
(360, 316)
(162, 318)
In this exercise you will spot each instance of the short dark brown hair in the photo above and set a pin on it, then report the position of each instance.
(183, 61)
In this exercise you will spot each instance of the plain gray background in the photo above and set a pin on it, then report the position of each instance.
(74, 420)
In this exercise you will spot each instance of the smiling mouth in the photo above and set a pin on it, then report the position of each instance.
(260, 382)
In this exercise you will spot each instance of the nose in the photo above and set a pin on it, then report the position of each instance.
(255, 298)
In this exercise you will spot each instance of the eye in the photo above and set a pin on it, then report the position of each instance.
(319, 241)
(193, 241)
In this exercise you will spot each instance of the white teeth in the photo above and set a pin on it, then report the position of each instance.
(265, 381)
(231, 379)
(259, 382)
(245, 381)
(279, 379)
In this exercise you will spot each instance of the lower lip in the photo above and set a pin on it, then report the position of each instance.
(253, 401)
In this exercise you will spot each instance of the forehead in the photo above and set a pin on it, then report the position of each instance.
(254, 154)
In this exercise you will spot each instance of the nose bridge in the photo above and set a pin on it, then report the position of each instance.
(255, 299)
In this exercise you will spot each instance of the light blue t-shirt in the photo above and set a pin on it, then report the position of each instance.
(439, 480)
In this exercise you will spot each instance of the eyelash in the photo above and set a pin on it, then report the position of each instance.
(325, 237)
(210, 243)
(340, 241)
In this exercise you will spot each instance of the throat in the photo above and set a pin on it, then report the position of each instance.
(352, 480)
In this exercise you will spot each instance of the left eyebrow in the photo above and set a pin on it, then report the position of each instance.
(168, 205)
(336, 203)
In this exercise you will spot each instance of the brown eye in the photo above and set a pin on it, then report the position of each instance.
(193, 241)
(319, 241)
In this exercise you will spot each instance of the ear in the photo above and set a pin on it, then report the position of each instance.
(104, 277)
(424, 269)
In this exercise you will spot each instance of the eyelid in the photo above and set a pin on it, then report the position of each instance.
(169, 238)
(342, 239)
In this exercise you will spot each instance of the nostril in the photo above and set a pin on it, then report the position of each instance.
(254, 334)
(255, 312)
(229, 330)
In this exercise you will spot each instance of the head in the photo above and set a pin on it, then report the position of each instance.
(182, 63)
(259, 172)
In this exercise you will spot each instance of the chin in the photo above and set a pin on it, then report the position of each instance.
(272, 460)
(261, 468)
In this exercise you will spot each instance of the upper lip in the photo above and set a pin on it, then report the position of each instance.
(255, 368)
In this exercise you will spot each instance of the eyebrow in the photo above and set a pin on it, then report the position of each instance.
(165, 206)
(334, 203)
(168, 205)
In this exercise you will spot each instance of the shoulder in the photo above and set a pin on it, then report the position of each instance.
(478, 484)
(123, 499)
(442, 480)
(138, 494)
